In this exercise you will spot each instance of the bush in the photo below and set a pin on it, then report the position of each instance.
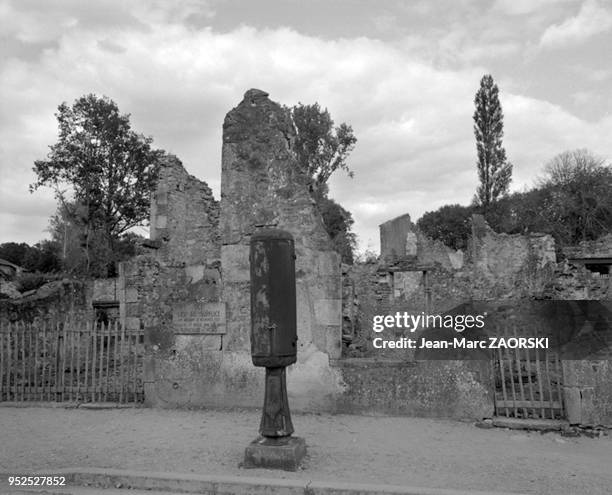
(449, 224)
(30, 281)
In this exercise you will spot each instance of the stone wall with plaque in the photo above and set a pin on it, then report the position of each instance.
(199, 318)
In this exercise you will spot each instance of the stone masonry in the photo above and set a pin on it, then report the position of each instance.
(262, 185)
(184, 217)
(191, 293)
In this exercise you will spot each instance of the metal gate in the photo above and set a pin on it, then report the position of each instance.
(70, 360)
(528, 384)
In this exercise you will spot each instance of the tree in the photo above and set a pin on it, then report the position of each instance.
(321, 149)
(338, 223)
(41, 257)
(14, 252)
(450, 224)
(579, 186)
(521, 213)
(494, 172)
(110, 168)
(68, 233)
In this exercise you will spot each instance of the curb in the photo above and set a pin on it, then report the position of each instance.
(238, 485)
(70, 405)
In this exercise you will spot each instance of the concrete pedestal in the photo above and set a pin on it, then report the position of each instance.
(275, 453)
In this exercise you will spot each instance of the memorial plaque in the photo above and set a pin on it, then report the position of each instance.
(199, 318)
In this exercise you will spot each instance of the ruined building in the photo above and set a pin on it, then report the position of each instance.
(189, 296)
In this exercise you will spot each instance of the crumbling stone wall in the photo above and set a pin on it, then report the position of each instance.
(191, 294)
(174, 292)
(262, 185)
(598, 248)
(172, 303)
(496, 267)
(508, 266)
(184, 217)
(586, 388)
(395, 241)
(53, 301)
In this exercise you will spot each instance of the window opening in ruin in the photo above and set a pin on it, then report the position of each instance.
(106, 311)
(598, 268)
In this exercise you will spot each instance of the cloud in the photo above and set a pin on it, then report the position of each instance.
(591, 19)
(523, 7)
(412, 116)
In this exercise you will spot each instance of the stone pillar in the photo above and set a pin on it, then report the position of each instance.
(578, 387)
(262, 185)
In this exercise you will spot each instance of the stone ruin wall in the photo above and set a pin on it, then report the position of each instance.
(184, 217)
(173, 291)
(190, 292)
(496, 267)
(198, 265)
(53, 301)
(262, 185)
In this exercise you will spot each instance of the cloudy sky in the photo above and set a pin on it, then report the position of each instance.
(402, 73)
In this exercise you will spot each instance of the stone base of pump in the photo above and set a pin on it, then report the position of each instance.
(275, 453)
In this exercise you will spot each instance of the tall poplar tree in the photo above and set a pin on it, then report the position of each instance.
(494, 171)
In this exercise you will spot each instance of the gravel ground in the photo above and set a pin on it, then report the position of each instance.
(365, 449)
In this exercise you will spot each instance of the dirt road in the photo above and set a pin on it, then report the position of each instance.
(392, 450)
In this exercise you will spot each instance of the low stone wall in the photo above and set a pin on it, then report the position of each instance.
(444, 389)
(587, 391)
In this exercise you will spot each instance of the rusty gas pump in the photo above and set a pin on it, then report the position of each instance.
(274, 345)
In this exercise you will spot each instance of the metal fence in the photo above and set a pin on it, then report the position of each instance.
(71, 360)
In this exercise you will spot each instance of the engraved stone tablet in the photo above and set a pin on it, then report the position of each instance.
(199, 318)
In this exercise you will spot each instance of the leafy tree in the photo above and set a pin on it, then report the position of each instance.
(450, 224)
(338, 223)
(68, 228)
(110, 169)
(520, 213)
(494, 172)
(14, 252)
(579, 186)
(321, 149)
(42, 257)
(572, 202)
(68, 233)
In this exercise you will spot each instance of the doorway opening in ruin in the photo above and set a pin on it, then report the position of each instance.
(528, 384)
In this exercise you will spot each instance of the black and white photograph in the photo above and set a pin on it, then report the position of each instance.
(319, 247)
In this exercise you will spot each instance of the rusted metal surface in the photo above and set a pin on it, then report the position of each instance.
(276, 417)
(273, 323)
(273, 306)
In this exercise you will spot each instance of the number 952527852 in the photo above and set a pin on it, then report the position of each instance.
(37, 480)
